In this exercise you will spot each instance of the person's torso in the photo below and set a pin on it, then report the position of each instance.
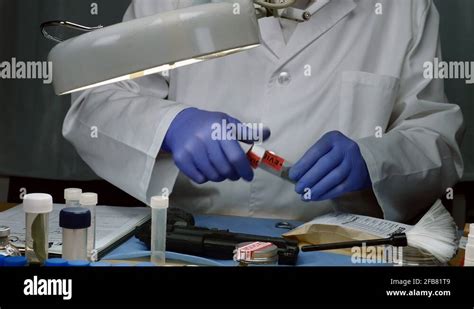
(339, 71)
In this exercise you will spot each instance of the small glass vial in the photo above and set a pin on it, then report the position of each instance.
(89, 201)
(37, 207)
(6, 247)
(72, 197)
(159, 207)
(75, 221)
(256, 254)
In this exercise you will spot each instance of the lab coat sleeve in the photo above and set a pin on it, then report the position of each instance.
(418, 158)
(118, 130)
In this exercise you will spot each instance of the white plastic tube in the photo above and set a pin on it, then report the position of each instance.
(159, 207)
(89, 201)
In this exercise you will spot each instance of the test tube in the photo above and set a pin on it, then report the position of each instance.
(37, 207)
(159, 207)
(89, 201)
(75, 221)
(72, 197)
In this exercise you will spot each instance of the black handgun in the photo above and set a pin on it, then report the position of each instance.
(183, 237)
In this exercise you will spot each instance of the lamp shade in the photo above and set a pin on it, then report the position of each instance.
(154, 44)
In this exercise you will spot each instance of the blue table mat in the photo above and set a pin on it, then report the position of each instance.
(134, 248)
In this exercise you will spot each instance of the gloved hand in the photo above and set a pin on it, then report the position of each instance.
(330, 168)
(200, 156)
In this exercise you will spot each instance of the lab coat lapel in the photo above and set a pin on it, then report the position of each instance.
(323, 20)
(272, 36)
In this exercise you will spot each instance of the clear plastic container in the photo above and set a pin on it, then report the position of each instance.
(159, 207)
(37, 207)
(75, 221)
(89, 200)
(72, 197)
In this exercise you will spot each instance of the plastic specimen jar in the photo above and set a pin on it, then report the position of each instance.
(75, 221)
(37, 207)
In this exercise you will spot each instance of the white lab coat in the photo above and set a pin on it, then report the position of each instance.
(365, 74)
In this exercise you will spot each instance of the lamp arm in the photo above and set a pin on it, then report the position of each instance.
(275, 6)
(66, 24)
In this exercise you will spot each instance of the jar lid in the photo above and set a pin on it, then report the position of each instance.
(88, 199)
(15, 261)
(78, 263)
(4, 231)
(55, 262)
(256, 253)
(37, 203)
(72, 194)
(159, 202)
(75, 218)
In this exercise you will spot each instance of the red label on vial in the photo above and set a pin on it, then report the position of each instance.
(253, 159)
(273, 161)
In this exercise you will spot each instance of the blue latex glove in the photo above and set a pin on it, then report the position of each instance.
(198, 155)
(330, 168)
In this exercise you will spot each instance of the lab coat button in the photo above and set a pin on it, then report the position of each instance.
(284, 78)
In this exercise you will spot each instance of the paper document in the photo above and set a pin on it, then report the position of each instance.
(112, 223)
(378, 227)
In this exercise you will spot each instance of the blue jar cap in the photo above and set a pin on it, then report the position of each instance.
(55, 262)
(145, 264)
(15, 261)
(100, 264)
(78, 263)
(2, 258)
(75, 218)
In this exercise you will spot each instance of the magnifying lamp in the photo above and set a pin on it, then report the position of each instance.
(152, 44)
